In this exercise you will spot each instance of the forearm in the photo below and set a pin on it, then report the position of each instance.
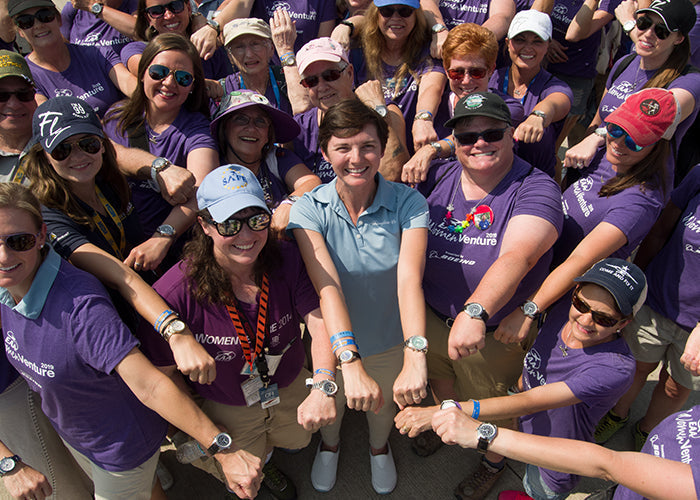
(233, 9)
(432, 13)
(582, 23)
(134, 162)
(123, 22)
(499, 283)
(498, 24)
(182, 217)
(430, 91)
(395, 153)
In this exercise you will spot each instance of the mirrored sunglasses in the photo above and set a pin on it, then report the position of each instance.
(20, 242)
(159, 72)
(90, 145)
(474, 73)
(615, 131)
(232, 226)
(156, 11)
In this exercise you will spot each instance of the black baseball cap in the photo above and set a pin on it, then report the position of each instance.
(624, 280)
(480, 104)
(62, 117)
(677, 15)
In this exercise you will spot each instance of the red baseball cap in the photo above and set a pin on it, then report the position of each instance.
(648, 116)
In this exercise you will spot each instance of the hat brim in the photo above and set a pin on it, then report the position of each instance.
(452, 122)
(30, 4)
(286, 128)
(82, 128)
(226, 207)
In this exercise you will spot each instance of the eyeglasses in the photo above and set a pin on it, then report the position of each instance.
(388, 11)
(615, 131)
(255, 46)
(24, 95)
(90, 145)
(599, 318)
(330, 75)
(458, 74)
(26, 21)
(242, 119)
(156, 11)
(645, 22)
(470, 138)
(159, 72)
(20, 242)
(232, 226)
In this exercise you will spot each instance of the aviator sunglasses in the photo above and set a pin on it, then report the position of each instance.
(598, 318)
(232, 226)
(24, 95)
(156, 11)
(645, 22)
(470, 138)
(615, 131)
(159, 72)
(388, 11)
(26, 21)
(474, 73)
(330, 75)
(90, 145)
(20, 242)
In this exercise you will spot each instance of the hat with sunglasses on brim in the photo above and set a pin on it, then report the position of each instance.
(230, 189)
(286, 128)
(15, 7)
(534, 21)
(648, 116)
(320, 49)
(13, 64)
(624, 280)
(409, 3)
(480, 104)
(246, 26)
(62, 117)
(677, 15)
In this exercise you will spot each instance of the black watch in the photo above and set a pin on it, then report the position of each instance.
(222, 442)
(476, 311)
(531, 310)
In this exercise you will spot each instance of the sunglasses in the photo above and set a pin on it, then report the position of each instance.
(25, 95)
(645, 22)
(20, 242)
(615, 131)
(26, 21)
(474, 73)
(598, 318)
(388, 11)
(232, 226)
(159, 72)
(330, 75)
(243, 120)
(470, 138)
(90, 145)
(156, 11)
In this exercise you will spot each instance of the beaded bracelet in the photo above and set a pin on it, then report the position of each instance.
(324, 371)
(477, 409)
(163, 316)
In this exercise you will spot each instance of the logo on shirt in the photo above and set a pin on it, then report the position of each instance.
(225, 356)
(11, 341)
(687, 431)
(63, 92)
(533, 362)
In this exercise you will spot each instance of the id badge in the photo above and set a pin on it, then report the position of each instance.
(269, 396)
(251, 390)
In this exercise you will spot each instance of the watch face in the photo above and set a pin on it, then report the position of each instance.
(345, 356)
(166, 229)
(418, 343)
(487, 431)
(329, 387)
(7, 464)
(448, 403)
(530, 308)
(175, 326)
(223, 440)
(474, 310)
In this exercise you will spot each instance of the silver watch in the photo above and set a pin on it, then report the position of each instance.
(97, 9)
(531, 310)
(437, 28)
(221, 442)
(540, 114)
(629, 26)
(8, 464)
(158, 165)
(485, 433)
(327, 387)
(417, 343)
(476, 311)
(382, 110)
(166, 230)
(348, 356)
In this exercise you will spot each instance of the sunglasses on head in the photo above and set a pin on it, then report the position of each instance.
(599, 318)
(330, 75)
(388, 11)
(24, 95)
(474, 73)
(615, 131)
(26, 21)
(645, 22)
(156, 11)
(90, 145)
(471, 138)
(159, 72)
(232, 226)
(243, 120)
(20, 242)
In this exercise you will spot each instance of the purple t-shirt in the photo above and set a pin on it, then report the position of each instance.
(188, 132)
(307, 147)
(8, 374)
(597, 375)
(675, 438)
(68, 352)
(694, 37)
(633, 211)
(86, 78)
(216, 67)
(276, 91)
(291, 297)
(456, 12)
(582, 55)
(673, 274)
(539, 154)
(456, 262)
(83, 28)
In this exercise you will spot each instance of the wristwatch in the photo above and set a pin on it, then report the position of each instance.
(8, 464)
(417, 343)
(214, 25)
(476, 311)
(158, 165)
(175, 326)
(382, 110)
(327, 387)
(486, 433)
(289, 61)
(348, 356)
(437, 28)
(437, 147)
(222, 442)
(629, 26)
(531, 310)
(539, 113)
(424, 115)
(166, 230)
(450, 403)
(97, 9)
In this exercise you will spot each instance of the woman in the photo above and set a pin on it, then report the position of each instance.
(363, 241)
(573, 373)
(238, 287)
(168, 116)
(662, 53)
(247, 128)
(86, 366)
(546, 100)
(61, 68)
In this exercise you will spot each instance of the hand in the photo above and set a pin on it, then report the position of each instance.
(284, 31)
(413, 420)
(556, 52)
(436, 43)
(214, 90)
(205, 41)
(581, 155)
(423, 133)
(243, 472)
(411, 386)
(691, 353)
(361, 391)
(280, 219)
(467, 337)
(530, 130)
(416, 169)
(82, 4)
(455, 427)
(625, 11)
(25, 482)
(149, 254)
(371, 93)
(514, 328)
(316, 411)
(192, 359)
(341, 34)
(176, 184)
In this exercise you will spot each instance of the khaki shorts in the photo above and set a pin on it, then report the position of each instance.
(653, 338)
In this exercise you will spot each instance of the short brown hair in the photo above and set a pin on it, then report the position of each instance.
(470, 39)
(348, 118)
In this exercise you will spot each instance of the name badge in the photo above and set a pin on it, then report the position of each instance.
(269, 396)
(251, 390)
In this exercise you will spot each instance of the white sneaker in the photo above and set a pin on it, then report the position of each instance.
(325, 469)
(383, 472)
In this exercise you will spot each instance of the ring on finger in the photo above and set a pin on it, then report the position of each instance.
(405, 429)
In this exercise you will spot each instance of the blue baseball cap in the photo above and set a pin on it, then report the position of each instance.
(410, 3)
(229, 189)
(625, 282)
(62, 117)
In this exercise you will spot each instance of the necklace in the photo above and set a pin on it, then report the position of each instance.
(480, 215)
(565, 333)
(152, 136)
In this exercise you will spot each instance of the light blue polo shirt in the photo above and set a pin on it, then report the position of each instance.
(365, 255)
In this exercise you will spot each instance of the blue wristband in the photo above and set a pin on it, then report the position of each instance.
(342, 335)
(477, 409)
(324, 371)
(163, 316)
(342, 343)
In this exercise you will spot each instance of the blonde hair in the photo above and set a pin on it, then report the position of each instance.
(14, 195)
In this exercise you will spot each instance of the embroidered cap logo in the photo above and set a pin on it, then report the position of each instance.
(650, 107)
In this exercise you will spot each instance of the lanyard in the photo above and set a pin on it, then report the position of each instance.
(97, 219)
(273, 82)
(505, 85)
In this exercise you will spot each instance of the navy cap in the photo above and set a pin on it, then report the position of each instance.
(62, 117)
(624, 280)
(677, 15)
(229, 189)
